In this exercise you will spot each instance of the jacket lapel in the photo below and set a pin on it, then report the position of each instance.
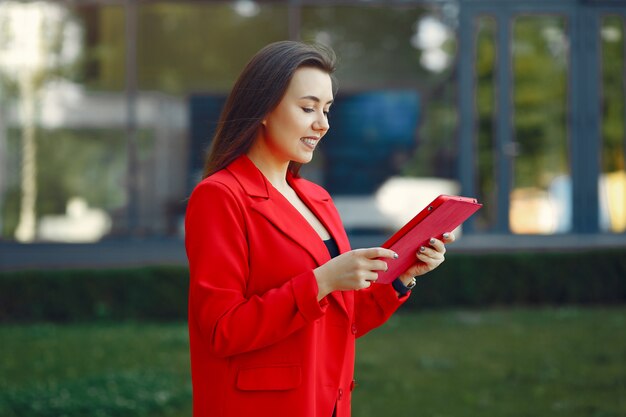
(287, 219)
(272, 205)
(290, 222)
(321, 205)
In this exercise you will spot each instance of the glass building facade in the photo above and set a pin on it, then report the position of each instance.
(107, 107)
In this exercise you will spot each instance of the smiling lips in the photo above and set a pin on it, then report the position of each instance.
(310, 142)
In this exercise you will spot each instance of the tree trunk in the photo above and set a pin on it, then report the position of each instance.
(26, 228)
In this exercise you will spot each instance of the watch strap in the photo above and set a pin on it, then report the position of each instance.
(402, 289)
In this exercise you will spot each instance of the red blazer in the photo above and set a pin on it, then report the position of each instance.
(261, 344)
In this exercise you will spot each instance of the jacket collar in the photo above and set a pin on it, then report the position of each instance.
(249, 177)
(256, 184)
(278, 210)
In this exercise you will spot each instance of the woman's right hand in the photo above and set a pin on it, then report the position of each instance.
(352, 270)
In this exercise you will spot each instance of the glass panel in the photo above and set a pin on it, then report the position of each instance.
(613, 179)
(78, 174)
(541, 192)
(485, 63)
(63, 109)
(395, 112)
(203, 47)
(62, 156)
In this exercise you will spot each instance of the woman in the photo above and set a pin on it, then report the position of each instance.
(276, 296)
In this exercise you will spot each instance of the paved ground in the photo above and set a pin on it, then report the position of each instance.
(105, 254)
(137, 252)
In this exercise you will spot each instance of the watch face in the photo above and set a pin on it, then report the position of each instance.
(412, 284)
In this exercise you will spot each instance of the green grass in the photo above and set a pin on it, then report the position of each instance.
(549, 362)
(566, 362)
(99, 370)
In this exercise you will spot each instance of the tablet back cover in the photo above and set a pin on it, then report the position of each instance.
(445, 217)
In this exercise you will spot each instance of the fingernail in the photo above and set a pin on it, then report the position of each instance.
(395, 255)
(446, 235)
(432, 241)
(422, 249)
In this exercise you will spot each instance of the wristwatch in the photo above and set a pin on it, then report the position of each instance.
(402, 289)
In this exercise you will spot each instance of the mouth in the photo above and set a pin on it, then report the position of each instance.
(310, 142)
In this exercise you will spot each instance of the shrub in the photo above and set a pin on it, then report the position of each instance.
(160, 293)
(589, 277)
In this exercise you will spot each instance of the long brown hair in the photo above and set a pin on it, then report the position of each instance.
(257, 91)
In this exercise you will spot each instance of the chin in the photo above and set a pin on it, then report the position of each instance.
(303, 159)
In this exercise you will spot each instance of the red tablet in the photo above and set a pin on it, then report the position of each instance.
(443, 215)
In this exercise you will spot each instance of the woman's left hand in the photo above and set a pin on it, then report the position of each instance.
(429, 257)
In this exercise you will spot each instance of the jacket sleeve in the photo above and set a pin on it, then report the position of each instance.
(217, 249)
(374, 306)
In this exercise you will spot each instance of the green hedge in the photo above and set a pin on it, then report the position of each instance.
(160, 293)
(157, 293)
(585, 277)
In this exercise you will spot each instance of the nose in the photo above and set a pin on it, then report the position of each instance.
(321, 124)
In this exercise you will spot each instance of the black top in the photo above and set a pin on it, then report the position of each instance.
(332, 247)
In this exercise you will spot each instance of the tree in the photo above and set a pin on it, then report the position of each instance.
(38, 39)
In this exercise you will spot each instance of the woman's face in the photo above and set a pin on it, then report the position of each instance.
(293, 129)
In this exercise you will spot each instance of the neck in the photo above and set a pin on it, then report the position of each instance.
(274, 171)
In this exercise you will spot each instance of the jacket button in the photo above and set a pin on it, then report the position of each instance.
(353, 328)
(340, 394)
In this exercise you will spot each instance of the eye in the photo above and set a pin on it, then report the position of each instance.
(308, 110)
(326, 113)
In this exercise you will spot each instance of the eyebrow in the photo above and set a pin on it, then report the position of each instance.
(315, 99)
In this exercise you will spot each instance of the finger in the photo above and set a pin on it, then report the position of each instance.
(365, 275)
(430, 260)
(373, 253)
(372, 277)
(426, 252)
(428, 265)
(449, 237)
(377, 265)
(437, 245)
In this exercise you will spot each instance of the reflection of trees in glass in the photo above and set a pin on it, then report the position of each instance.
(202, 47)
(187, 47)
(87, 163)
(373, 44)
(182, 47)
(377, 49)
(540, 67)
(102, 65)
(612, 35)
(40, 41)
(436, 153)
(540, 99)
